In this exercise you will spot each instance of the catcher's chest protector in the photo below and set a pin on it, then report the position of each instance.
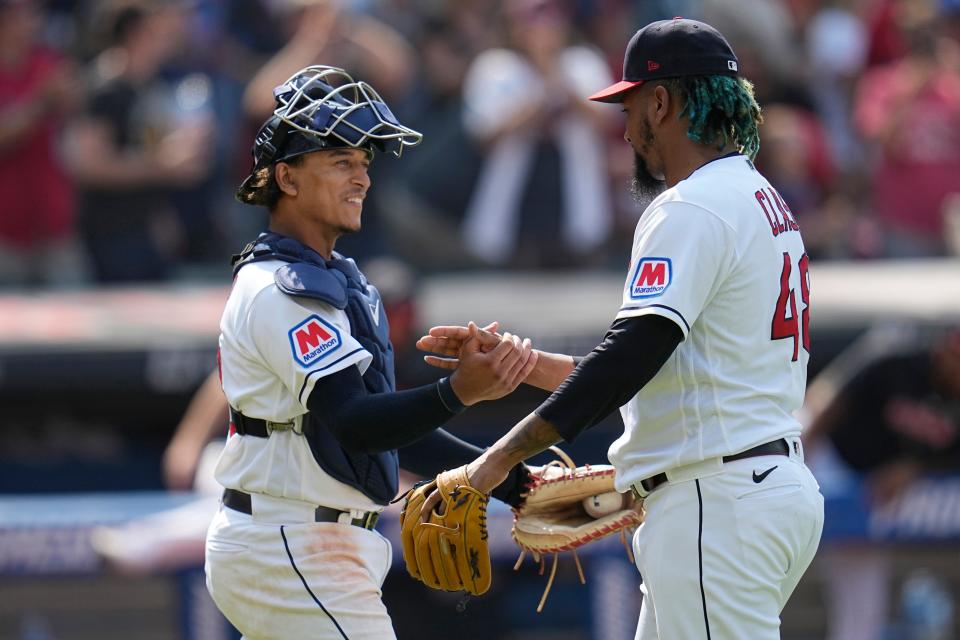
(340, 283)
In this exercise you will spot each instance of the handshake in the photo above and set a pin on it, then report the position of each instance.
(486, 364)
(561, 507)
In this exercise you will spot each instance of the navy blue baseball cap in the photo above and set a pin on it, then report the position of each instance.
(670, 49)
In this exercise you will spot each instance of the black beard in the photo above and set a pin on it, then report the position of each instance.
(644, 187)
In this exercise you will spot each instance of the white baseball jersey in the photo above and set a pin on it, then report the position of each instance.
(720, 255)
(273, 349)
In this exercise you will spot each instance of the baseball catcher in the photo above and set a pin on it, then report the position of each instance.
(308, 370)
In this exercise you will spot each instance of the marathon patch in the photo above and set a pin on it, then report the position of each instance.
(651, 278)
(313, 339)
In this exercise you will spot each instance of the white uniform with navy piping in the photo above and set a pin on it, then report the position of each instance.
(724, 543)
(276, 573)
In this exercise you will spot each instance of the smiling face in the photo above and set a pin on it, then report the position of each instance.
(320, 196)
(330, 187)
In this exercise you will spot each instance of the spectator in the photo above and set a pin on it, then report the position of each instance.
(886, 20)
(608, 24)
(896, 416)
(836, 42)
(909, 112)
(129, 151)
(796, 159)
(332, 33)
(328, 31)
(228, 43)
(543, 144)
(795, 156)
(428, 191)
(37, 88)
(767, 45)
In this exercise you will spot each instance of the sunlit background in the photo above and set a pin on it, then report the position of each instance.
(125, 128)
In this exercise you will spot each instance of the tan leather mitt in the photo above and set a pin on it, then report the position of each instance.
(449, 551)
(568, 507)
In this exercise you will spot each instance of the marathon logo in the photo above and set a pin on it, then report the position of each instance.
(312, 340)
(651, 278)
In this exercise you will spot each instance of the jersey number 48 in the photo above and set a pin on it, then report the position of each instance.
(786, 323)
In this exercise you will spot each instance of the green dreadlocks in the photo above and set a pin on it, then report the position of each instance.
(722, 110)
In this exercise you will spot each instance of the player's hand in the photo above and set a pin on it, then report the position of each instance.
(494, 374)
(485, 474)
(318, 26)
(448, 340)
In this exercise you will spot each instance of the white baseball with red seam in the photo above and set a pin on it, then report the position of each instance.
(603, 504)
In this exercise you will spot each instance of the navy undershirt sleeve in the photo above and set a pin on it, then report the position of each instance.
(441, 450)
(365, 422)
(408, 420)
(632, 352)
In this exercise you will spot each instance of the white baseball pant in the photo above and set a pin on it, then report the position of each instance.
(720, 554)
(317, 580)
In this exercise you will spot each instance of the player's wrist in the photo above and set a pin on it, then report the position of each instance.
(514, 487)
(488, 471)
(498, 458)
(449, 397)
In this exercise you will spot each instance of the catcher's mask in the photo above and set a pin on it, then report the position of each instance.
(322, 107)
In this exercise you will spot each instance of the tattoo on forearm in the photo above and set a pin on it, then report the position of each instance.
(531, 436)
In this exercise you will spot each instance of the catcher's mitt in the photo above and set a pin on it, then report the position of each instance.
(567, 507)
(449, 551)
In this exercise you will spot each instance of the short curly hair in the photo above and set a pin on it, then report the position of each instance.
(722, 110)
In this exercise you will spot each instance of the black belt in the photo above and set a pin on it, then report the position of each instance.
(247, 426)
(240, 501)
(775, 448)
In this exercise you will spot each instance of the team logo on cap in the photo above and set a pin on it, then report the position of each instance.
(312, 340)
(651, 278)
(652, 65)
(732, 65)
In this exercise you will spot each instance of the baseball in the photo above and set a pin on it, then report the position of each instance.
(603, 504)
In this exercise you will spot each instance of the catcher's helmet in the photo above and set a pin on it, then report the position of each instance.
(322, 107)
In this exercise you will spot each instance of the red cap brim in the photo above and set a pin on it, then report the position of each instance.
(614, 93)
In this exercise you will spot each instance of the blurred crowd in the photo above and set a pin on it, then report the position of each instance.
(125, 126)
(887, 411)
